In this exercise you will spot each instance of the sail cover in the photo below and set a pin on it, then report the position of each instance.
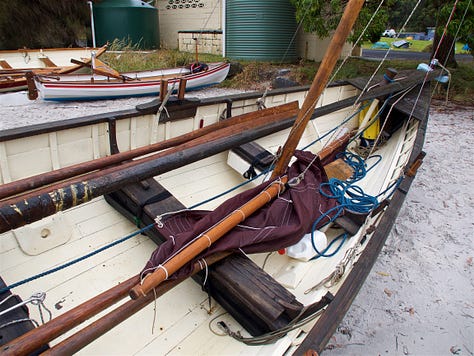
(279, 224)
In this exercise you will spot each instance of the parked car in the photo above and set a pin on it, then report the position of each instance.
(389, 33)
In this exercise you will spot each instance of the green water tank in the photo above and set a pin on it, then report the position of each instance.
(261, 30)
(132, 21)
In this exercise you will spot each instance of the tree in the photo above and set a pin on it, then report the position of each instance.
(321, 17)
(43, 23)
(449, 29)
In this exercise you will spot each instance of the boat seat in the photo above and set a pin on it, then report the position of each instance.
(142, 202)
(250, 159)
(4, 64)
(47, 62)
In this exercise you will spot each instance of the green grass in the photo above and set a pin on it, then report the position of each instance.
(257, 75)
(415, 45)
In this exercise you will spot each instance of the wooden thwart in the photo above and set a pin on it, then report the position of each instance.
(338, 169)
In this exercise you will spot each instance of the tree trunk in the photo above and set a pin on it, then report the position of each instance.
(445, 53)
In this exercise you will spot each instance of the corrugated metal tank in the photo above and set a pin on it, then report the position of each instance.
(134, 21)
(260, 30)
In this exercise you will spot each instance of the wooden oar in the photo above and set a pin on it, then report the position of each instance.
(30, 207)
(322, 76)
(100, 68)
(207, 238)
(22, 185)
(34, 339)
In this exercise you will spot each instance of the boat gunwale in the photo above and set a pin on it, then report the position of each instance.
(152, 106)
(320, 334)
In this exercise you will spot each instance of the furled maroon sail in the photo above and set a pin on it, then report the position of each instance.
(279, 224)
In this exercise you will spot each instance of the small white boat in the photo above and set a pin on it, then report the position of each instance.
(140, 83)
(15, 64)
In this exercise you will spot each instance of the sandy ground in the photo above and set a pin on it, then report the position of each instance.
(419, 297)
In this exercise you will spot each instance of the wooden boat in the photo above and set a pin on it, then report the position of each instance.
(83, 202)
(140, 83)
(15, 64)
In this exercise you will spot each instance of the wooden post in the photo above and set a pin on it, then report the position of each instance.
(163, 89)
(182, 88)
(30, 82)
(325, 69)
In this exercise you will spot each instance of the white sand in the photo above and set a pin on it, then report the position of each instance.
(419, 297)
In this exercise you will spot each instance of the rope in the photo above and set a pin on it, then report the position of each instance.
(356, 42)
(388, 51)
(77, 260)
(272, 336)
(445, 30)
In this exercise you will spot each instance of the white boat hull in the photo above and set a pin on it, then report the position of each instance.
(82, 87)
(179, 322)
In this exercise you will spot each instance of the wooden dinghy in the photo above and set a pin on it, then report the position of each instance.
(15, 64)
(141, 83)
(178, 178)
(85, 201)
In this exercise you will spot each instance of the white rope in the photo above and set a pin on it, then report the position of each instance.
(386, 53)
(356, 42)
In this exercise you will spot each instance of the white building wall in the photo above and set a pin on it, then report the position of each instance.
(312, 47)
(187, 15)
(181, 21)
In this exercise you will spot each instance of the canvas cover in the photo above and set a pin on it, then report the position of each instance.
(279, 224)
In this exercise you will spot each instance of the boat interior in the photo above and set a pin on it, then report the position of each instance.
(80, 243)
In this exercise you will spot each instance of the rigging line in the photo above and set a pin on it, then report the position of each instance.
(445, 30)
(388, 114)
(459, 28)
(388, 51)
(76, 260)
(294, 35)
(356, 42)
(201, 31)
(450, 50)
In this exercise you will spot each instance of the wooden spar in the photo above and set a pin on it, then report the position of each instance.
(34, 206)
(82, 338)
(23, 185)
(29, 342)
(99, 67)
(207, 238)
(322, 76)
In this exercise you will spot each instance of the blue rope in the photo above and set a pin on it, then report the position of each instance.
(72, 262)
(324, 253)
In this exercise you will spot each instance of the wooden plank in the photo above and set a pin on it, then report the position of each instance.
(338, 169)
(4, 64)
(48, 62)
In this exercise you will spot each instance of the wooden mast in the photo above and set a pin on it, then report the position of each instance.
(333, 53)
